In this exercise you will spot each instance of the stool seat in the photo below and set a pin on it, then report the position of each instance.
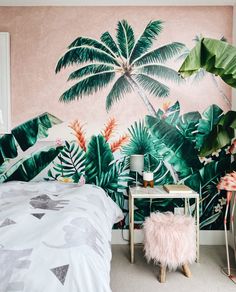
(170, 240)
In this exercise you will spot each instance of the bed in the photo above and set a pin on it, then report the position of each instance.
(55, 237)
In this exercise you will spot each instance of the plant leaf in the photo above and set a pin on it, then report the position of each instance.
(152, 86)
(118, 91)
(87, 86)
(30, 166)
(210, 117)
(83, 54)
(145, 41)
(98, 158)
(160, 55)
(125, 38)
(90, 70)
(215, 56)
(107, 39)
(160, 71)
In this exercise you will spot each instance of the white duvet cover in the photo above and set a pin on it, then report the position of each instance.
(55, 237)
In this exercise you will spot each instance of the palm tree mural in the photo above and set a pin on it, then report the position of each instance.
(132, 65)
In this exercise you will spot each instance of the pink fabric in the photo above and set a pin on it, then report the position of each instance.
(170, 239)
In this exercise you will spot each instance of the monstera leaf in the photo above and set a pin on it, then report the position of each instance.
(170, 115)
(174, 147)
(210, 118)
(98, 158)
(221, 134)
(187, 125)
(71, 162)
(216, 57)
(204, 182)
(162, 174)
(26, 135)
(30, 166)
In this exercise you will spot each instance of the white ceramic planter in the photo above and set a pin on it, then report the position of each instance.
(147, 176)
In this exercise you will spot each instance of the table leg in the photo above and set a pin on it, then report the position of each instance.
(185, 206)
(131, 230)
(198, 230)
(232, 223)
(229, 196)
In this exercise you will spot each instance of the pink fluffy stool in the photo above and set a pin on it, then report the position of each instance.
(170, 240)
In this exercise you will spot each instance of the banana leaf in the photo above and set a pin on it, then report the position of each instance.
(26, 135)
(215, 56)
(210, 117)
(173, 147)
(221, 134)
(30, 166)
(98, 158)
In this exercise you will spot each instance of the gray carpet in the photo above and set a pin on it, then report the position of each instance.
(142, 277)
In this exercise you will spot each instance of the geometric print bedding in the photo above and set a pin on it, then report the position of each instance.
(55, 237)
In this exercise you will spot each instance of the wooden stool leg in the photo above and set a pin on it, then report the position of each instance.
(186, 270)
(145, 183)
(162, 274)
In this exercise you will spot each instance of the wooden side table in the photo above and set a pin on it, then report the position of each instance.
(159, 193)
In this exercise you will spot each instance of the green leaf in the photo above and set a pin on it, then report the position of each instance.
(210, 118)
(70, 162)
(173, 147)
(98, 158)
(210, 220)
(90, 70)
(8, 148)
(171, 115)
(125, 38)
(187, 125)
(215, 56)
(145, 41)
(221, 134)
(107, 39)
(84, 41)
(30, 166)
(29, 132)
(160, 55)
(118, 91)
(140, 140)
(87, 86)
(83, 54)
(152, 86)
(160, 71)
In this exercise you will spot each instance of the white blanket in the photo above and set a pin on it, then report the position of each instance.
(55, 237)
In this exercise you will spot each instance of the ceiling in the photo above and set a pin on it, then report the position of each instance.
(116, 2)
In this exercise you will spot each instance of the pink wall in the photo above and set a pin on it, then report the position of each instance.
(40, 35)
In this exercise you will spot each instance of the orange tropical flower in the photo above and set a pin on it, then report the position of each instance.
(120, 142)
(79, 133)
(109, 128)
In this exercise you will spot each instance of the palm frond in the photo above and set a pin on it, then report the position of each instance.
(84, 41)
(119, 89)
(125, 38)
(84, 54)
(107, 39)
(145, 41)
(90, 70)
(161, 55)
(87, 86)
(160, 71)
(140, 140)
(152, 86)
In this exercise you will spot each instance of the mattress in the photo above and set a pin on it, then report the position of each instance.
(55, 237)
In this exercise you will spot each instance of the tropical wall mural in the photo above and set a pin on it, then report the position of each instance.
(111, 93)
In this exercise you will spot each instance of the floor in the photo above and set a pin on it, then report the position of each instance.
(142, 277)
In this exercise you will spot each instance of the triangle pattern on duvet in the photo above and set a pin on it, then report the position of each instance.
(60, 273)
